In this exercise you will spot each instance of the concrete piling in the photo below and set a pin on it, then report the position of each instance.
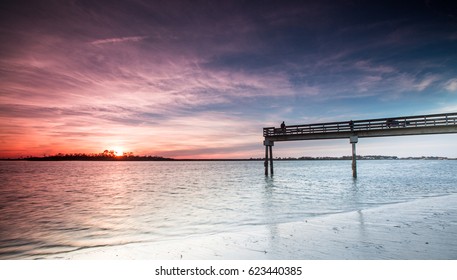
(353, 140)
(268, 156)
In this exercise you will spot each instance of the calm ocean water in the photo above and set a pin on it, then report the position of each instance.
(55, 207)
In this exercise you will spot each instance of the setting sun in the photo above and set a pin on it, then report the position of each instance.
(118, 151)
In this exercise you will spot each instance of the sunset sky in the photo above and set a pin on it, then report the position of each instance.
(199, 79)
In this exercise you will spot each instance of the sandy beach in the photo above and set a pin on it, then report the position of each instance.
(422, 229)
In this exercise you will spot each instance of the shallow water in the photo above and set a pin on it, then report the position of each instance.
(54, 207)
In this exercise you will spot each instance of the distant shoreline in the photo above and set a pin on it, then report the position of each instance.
(157, 158)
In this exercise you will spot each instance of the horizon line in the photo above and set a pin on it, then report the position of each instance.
(160, 158)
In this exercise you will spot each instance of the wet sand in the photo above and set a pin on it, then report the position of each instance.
(422, 229)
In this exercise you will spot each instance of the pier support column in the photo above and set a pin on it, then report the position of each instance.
(271, 159)
(268, 156)
(266, 161)
(353, 140)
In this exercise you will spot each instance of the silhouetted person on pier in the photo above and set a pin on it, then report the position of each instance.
(392, 123)
(283, 127)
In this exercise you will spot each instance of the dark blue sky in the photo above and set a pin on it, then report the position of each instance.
(201, 78)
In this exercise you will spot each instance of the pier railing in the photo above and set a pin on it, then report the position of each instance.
(365, 125)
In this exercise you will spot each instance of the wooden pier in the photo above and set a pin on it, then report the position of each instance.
(355, 129)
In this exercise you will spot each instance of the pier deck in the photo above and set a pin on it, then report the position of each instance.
(399, 126)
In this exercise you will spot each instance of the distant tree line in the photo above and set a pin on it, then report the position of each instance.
(110, 155)
(370, 157)
(105, 156)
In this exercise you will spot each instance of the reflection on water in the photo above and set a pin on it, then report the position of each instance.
(50, 207)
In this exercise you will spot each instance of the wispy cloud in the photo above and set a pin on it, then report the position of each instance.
(119, 40)
(368, 66)
(426, 82)
(451, 85)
